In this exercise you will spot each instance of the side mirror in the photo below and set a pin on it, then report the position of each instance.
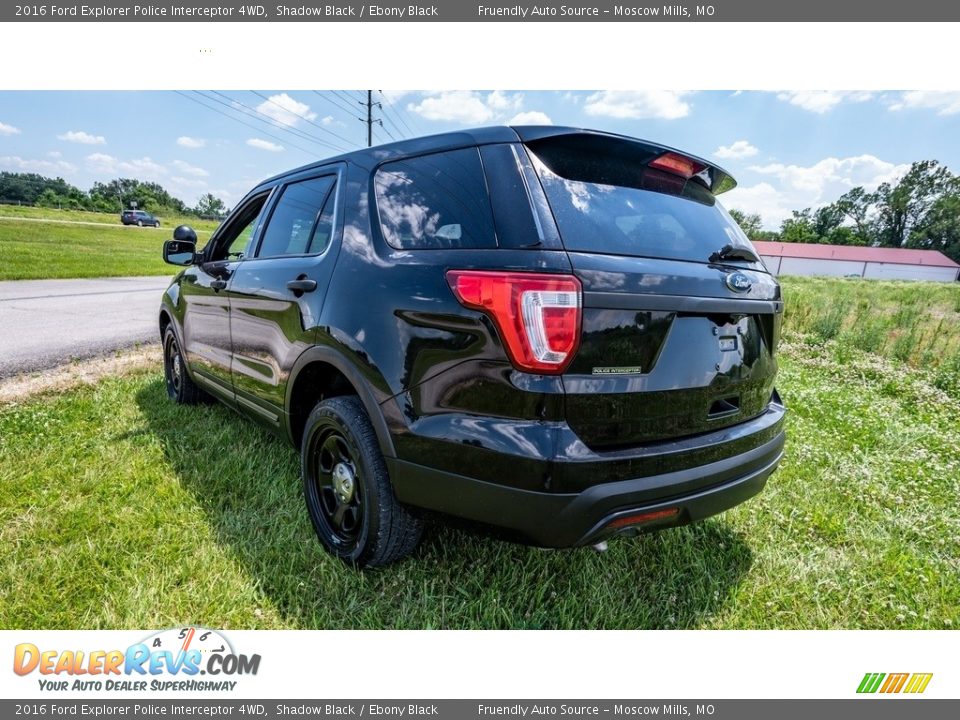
(179, 252)
(182, 249)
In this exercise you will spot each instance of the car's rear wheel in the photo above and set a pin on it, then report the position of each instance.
(347, 488)
(156, 224)
(180, 387)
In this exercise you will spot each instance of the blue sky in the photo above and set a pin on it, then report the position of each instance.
(788, 150)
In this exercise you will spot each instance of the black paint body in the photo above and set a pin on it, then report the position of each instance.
(547, 459)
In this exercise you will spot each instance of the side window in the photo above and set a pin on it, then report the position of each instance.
(234, 242)
(296, 226)
(436, 201)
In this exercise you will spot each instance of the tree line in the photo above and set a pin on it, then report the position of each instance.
(113, 196)
(920, 210)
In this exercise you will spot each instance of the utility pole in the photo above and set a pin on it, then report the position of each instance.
(370, 120)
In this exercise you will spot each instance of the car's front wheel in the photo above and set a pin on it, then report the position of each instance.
(347, 488)
(139, 223)
(157, 224)
(180, 387)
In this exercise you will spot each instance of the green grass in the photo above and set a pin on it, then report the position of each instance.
(915, 322)
(119, 509)
(169, 221)
(30, 250)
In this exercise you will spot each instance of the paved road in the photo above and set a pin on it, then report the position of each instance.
(45, 323)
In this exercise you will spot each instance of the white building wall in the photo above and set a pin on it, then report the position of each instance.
(772, 262)
(811, 266)
(897, 271)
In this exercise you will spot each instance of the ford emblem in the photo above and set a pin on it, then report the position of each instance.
(738, 282)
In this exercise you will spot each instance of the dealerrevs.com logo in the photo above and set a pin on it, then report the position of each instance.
(179, 659)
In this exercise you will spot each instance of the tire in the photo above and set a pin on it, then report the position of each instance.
(139, 223)
(157, 224)
(180, 388)
(347, 488)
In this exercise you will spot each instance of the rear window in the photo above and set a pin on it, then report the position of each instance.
(614, 206)
(436, 201)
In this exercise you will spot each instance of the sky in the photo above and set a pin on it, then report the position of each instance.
(787, 150)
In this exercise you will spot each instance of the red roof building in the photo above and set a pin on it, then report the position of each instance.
(857, 261)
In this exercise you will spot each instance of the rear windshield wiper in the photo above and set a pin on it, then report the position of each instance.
(730, 252)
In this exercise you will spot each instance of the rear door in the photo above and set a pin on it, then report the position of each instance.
(678, 337)
(277, 293)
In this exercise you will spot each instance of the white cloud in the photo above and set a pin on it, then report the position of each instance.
(822, 101)
(454, 106)
(284, 110)
(499, 100)
(83, 138)
(187, 182)
(530, 117)
(264, 145)
(55, 154)
(795, 187)
(739, 149)
(139, 168)
(8, 129)
(188, 169)
(16, 163)
(638, 104)
(762, 198)
(831, 177)
(467, 107)
(190, 142)
(944, 102)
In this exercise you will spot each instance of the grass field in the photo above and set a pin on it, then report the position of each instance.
(168, 221)
(119, 509)
(62, 248)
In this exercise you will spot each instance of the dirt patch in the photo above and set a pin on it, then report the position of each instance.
(81, 372)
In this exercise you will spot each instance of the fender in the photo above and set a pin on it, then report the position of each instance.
(331, 356)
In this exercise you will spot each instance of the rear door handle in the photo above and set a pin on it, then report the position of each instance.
(302, 285)
(218, 284)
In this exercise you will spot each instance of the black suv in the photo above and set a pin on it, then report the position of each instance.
(139, 218)
(555, 332)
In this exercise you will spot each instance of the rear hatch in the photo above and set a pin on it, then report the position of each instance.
(680, 317)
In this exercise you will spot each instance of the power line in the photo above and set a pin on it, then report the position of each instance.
(352, 111)
(303, 117)
(238, 106)
(399, 112)
(236, 119)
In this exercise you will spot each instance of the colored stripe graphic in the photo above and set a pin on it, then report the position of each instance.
(918, 682)
(870, 682)
(894, 683)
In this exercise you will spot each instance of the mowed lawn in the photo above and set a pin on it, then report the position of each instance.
(61, 247)
(119, 509)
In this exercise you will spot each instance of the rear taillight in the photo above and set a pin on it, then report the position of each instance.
(536, 314)
(677, 164)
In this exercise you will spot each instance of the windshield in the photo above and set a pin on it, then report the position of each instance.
(655, 215)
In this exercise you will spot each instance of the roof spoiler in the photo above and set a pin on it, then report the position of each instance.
(642, 152)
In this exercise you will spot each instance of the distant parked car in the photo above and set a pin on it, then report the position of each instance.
(139, 218)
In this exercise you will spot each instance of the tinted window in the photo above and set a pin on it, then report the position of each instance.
(296, 218)
(609, 205)
(435, 201)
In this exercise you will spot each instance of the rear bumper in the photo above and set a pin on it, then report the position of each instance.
(573, 519)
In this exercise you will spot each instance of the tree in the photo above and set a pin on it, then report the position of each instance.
(856, 206)
(941, 228)
(902, 207)
(752, 224)
(210, 205)
(799, 228)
